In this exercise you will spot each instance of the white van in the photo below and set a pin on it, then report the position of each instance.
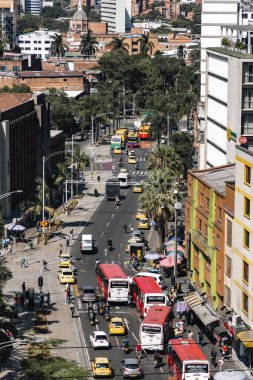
(156, 276)
(123, 179)
(86, 245)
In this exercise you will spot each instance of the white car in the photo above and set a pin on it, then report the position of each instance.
(99, 339)
(157, 277)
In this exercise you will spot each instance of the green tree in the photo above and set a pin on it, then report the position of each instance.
(194, 56)
(181, 22)
(157, 199)
(182, 143)
(88, 45)
(21, 88)
(57, 46)
(62, 173)
(165, 158)
(53, 12)
(119, 44)
(146, 45)
(181, 52)
(28, 22)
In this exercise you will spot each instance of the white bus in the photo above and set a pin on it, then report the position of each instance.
(123, 179)
(155, 328)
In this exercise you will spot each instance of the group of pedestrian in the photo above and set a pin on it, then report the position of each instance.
(24, 262)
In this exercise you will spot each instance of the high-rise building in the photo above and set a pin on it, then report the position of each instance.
(117, 13)
(8, 21)
(33, 6)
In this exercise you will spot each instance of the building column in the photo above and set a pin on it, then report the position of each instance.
(5, 166)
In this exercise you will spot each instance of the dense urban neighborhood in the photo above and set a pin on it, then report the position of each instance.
(126, 155)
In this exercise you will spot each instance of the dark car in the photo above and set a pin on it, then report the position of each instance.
(130, 368)
(88, 294)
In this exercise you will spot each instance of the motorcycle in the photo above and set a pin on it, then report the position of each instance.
(109, 245)
(92, 318)
(126, 347)
(158, 360)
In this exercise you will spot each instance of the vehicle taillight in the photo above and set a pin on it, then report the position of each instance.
(145, 310)
(110, 294)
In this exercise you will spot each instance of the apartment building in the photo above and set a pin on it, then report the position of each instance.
(37, 43)
(204, 228)
(117, 13)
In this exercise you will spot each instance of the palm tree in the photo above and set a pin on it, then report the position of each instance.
(88, 45)
(146, 45)
(166, 159)
(57, 46)
(119, 44)
(181, 52)
(157, 199)
(62, 174)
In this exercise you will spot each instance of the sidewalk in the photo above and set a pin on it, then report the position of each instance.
(60, 323)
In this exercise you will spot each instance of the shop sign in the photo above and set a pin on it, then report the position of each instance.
(200, 242)
(231, 136)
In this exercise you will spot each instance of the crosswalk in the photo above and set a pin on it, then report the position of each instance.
(138, 172)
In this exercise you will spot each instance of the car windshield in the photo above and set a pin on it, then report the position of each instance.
(132, 366)
(89, 291)
(101, 337)
(64, 258)
(102, 365)
(117, 324)
(67, 273)
(143, 220)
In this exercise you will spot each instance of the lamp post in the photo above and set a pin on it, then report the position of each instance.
(177, 207)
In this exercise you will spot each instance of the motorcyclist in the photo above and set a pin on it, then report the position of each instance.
(117, 201)
(157, 358)
(92, 317)
(125, 342)
(125, 228)
(109, 243)
(97, 262)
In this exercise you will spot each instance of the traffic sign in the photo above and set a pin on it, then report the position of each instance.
(221, 362)
(243, 140)
(43, 223)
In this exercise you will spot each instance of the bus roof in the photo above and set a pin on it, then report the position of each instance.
(187, 349)
(147, 285)
(112, 271)
(157, 315)
(121, 130)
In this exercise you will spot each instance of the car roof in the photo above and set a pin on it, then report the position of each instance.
(116, 319)
(88, 287)
(65, 254)
(101, 360)
(147, 274)
(131, 361)
(99, 332)
(66, 270)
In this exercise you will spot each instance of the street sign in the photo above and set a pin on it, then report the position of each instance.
(43, 223)
(243, 140)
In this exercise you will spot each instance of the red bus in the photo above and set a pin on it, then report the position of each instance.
(186, 360)
(146, 292)
(113, 282)
(156, 327)
(144, 131)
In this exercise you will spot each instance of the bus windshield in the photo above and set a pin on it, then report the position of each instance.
(155, 299)
(196, 367)
(151, 329)
(116, 139)
(119, 284)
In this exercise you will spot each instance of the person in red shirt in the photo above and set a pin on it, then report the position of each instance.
(138, 351)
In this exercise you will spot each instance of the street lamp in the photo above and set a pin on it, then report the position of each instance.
(177, 207)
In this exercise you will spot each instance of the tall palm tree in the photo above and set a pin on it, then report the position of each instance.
(166, 159)
(88, 45)
(57, 46)
(146, 45)
(119, 44)
(62, 174)
(157, 199)
(181, 52)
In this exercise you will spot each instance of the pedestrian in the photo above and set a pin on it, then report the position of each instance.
(72, 309)
(113, 169)
(45, 268)
(66, 296)
(71, 233)
(10, 249)
(41, 300)
(16, 301)
(38, 226)
(67, 241)
(224, 350)
(23, 287)
(190, 334)
(22, 300)
(27, 295)
(23, 260)
(61, 249)
(201, 338)
(48, 300)
(138, 351)
(68, 293)
(213, 357)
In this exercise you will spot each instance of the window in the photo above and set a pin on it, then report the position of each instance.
(245, 272)
(200, 224)
(227, 296)
(251, 15)
(229, 233)
(47, 42)
(207, 204)
(246, 238)
(228, 266)
(206, 229)
(35, 42)
(247, 175)
(245, 302)
(219, 213)
(246, 207)
(201, 199)
(245, 15)
(218, 241)
(27, 49)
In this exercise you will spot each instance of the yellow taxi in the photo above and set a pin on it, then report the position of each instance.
(117, 150)
(137, 188)
(116, 326)
(66, 276)
(140, 214)
(132, 241)
(131, 159)
(65, 260)
(123, 170)
(143, 224)
(100, 366)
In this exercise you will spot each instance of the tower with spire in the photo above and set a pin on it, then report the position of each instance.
(79, 22)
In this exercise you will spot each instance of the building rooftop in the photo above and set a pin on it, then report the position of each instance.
(9, 101)
(216, 178)
(49, 74)
(231, 52)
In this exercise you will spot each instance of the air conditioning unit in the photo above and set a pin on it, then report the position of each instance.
(236, 320)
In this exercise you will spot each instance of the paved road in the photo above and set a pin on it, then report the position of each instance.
(106, 223)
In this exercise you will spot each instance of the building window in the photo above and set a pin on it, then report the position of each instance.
(35, 42)
(227, 296)
(245, 15)
(219, 214)
(200, 224)
(15, 68)
(207, 204)
(27, 48)
(251, 15)
(201, 199)
(218, 241)
(246, 207)
(245, 302)
(228, 266)
(206, 229)
(246, 238)
(47, 42)
(229, 233)
(247, 175)
(245, 272)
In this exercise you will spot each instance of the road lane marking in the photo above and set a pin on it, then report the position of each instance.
(135, 337)
(125, 193)
(117, 341)
(161, 369)
(112, 216)
(96, 325)
(107, 224)
(102, 234)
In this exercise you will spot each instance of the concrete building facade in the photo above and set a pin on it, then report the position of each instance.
(37, 43)
(117, 13)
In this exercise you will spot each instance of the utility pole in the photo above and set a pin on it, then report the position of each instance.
(168, 129)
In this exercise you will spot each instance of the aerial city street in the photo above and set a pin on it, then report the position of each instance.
(125, 189)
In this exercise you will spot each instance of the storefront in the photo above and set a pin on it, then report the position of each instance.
(244, 347)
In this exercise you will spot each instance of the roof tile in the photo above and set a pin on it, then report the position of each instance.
(11, 100)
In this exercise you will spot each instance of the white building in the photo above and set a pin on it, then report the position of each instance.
(38, 43)
(117, 13)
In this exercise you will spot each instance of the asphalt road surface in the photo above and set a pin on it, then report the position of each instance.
(107, 222)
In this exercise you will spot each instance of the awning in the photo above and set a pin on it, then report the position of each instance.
(246, 337)
(205, 315)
